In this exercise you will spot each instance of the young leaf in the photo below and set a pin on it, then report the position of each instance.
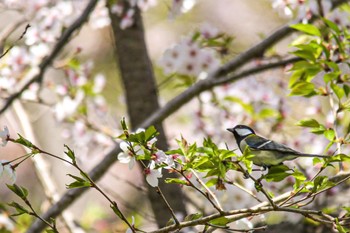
(21, 140)
(150, 133)
(277, 173)
(222, 221)
(70, 154)
(339, 91)
(194, 216)
(304, 89)
(312, 123)
(332, 25)
(307, 28)
(79, 183)
(123, 124)
(175, 181)
(116, 210)
(19, 191)
(329, 134)
(19, 208)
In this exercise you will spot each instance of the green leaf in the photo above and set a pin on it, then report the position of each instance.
(307, 28)
(340, 93)
(21, 140)
(340, 228)
(19, 208)
(303, 88)
(312, 123)
(70, 154)
(194, 216)
(346, 90)
(222, 221)
(332, 25)
(211, 182)
(329, 134)
(79, 183)
(298, 175)
(175, 181)
(330, 76)
(19, 191)
(318, 130)
(150, 133)
(116, 210)
(123, 124)
(277, 173)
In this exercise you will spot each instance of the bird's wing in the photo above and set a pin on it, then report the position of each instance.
(260, 143)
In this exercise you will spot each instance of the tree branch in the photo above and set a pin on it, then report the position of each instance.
(38, 77)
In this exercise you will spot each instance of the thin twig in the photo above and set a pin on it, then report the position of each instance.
(168, 205)
(208, 190)
(244, 189)
(190, 183)
(302, 187)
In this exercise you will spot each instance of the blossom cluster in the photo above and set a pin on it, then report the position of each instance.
(304, 10)
(131, 152)
(193, 55)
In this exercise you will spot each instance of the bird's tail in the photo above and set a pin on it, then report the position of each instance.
(313, 155)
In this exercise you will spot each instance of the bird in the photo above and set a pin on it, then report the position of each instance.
(267, 153)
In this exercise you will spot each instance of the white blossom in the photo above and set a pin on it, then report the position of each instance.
(4, 134)
(152, 174)
(7, 173)
(127, 156)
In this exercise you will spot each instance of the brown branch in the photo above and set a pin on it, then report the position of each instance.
(62, 41)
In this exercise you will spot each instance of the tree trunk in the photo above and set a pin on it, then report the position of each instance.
(142, 100)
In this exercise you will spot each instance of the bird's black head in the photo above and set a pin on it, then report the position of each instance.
(240, 132)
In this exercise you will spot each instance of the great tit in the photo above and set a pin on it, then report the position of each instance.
(267, 152)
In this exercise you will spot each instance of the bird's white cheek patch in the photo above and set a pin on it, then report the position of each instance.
(243, 132)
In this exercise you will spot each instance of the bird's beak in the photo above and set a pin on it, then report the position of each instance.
(230, 129)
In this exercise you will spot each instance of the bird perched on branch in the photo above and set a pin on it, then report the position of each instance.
(266, 152)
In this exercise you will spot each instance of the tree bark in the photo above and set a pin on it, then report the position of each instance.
(142, 100)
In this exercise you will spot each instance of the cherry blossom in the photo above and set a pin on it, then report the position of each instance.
(127, 156)
(68, 106)
(159, 157)
(188, 58)
(153, 174)
(100, 17)
(4, 134)
(7, 173)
